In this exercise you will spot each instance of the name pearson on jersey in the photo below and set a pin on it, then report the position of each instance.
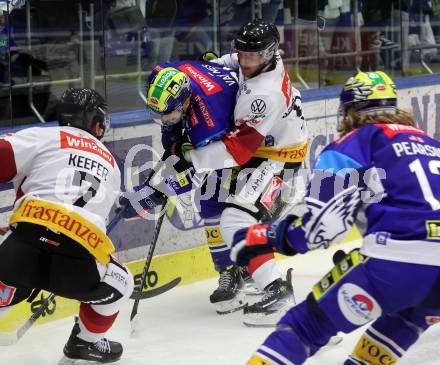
(414, 148)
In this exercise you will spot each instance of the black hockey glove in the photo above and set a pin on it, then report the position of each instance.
(180, 151)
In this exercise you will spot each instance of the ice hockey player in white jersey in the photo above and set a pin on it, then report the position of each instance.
(269, 137)
(66, 183)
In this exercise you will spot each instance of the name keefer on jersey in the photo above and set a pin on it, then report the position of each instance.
(268, 122)
(62, 165)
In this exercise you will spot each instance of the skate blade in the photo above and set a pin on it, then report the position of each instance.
(251, 290)
(260, 325)
(270, 318)
(224, 312)
(230, 306)
(68, 361)
(263, 319)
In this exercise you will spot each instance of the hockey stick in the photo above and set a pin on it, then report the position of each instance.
(37, 314)
(115, 220)
(10, 338)
(156, 291)
(147, 265)
(139, 295)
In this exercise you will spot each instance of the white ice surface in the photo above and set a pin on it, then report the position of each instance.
(181, 328)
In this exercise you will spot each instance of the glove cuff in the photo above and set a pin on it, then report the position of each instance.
(277, 235)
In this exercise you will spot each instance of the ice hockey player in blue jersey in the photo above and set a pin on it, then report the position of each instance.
(383, 175)
(267, 142)
(194, 102)
(197, 97)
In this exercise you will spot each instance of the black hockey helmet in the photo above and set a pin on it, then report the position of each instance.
(82, 108)
(257, 36)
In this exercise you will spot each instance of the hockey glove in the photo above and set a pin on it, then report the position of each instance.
(250, 243)
(208, 56)
(143, 199)
(261, 239)
(180, 151)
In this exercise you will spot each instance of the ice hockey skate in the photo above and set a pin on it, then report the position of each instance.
(229, 296)
(277, 299)
(250, 287)
(78, 351)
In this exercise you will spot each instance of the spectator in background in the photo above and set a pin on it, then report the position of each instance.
(400, 17)
(435, 19)
(124, 23)
(385, 32)
(226, 16)
(194, 27)
(244, 12)
(302, 19)
(161, 17)
(14, 66)
(233, 14)
(421, 33)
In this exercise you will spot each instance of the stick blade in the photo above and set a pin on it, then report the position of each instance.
(156, 291)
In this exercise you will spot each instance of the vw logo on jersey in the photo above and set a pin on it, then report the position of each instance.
(258, 106)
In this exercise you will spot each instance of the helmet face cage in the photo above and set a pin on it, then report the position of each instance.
(368, 92)
(161, 118)
(82, 108)
(167, 92)
(257, 36)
